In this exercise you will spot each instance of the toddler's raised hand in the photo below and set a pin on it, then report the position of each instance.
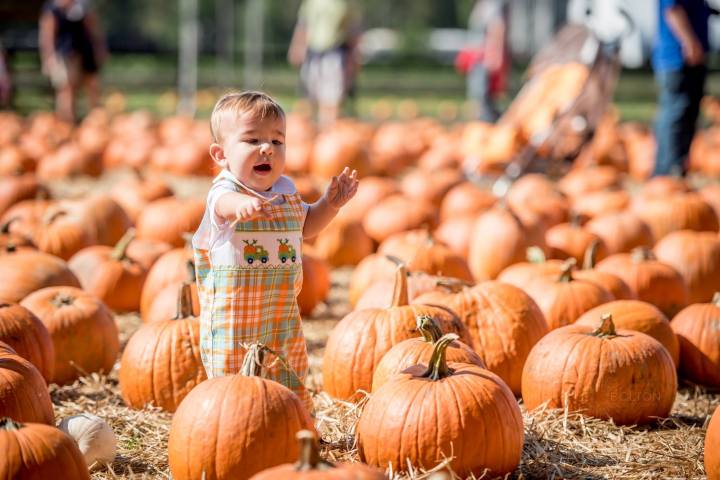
(342, 188)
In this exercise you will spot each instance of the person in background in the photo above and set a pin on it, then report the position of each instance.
(5, 79)
(324, 46)
(485, 60)
(71, 50)
(680, 71)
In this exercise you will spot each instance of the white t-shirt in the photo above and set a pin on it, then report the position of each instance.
(215, 231)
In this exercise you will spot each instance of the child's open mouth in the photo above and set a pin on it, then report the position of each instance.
(262, 168)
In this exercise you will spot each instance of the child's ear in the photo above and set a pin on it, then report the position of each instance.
(218, 155)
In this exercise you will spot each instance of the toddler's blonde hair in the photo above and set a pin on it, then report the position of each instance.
(257, 104)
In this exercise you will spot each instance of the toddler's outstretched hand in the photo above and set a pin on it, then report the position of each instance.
(342, 188)
(251, 209)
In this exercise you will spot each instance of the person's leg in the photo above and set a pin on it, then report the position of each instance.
(478, 92)
(693, 86)
(673, 104)
(92, 89)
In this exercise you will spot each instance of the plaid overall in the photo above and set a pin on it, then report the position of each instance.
(250, 294)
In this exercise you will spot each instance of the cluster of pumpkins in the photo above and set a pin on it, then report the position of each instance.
(578, 293)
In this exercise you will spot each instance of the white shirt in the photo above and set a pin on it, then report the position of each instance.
(214, 230)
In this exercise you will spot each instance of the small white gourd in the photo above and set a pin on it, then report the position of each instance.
(95, 438)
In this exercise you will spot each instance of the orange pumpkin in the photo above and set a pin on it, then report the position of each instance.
(466, 198)
(639, 316)
(650, 280)
(167, 219)
(698, 330)
(310, 466)
(35, 451)
(570, 240)
(109, 274)
(696, 255)
(235, 426)
(564, 298)
(23, 393)
(474, 420)
(24, 272)
(15, 188)
(712, 447)
(82, 329)
(63, 233)
(316, 282)
(622, 375)
(161, 362)
(25, 333)
(343, 242)
(679, 211)
(172, 268)
(499, 239)
(398, 213)
(621, 232)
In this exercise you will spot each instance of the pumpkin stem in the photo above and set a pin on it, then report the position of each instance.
(400, 293)
(139, 175)
(716, 299)
(590, 258)
(454, 285)
(394, 259)
(535, 254)
(566, 270)
(437, 366)
(52, 214)
(190, 266)
(606, 328)
(5, 228)
(428, 328)
(184, 303)
(575, 219)
(10, 425)
(120, 250)
(309, 458)
(641, 254)
(253, 362)
(62, 300)
(10, 248)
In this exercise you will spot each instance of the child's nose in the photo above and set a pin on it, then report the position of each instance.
(266, 148)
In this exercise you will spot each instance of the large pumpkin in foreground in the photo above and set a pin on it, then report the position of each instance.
(235, 426)
(472, 418)
(622, 375)
(34, 451)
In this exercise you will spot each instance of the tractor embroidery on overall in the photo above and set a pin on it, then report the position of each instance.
(253, 252)
(286, 251)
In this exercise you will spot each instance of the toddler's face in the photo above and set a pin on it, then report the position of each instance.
(252, 149)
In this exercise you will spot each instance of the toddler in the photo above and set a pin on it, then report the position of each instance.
(248, 248)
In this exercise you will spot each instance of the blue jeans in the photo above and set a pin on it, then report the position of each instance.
(478, 92)
(680, 92)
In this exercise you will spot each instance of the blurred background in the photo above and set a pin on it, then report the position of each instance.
(407, 49)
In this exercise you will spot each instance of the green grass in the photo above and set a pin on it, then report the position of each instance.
(148, 82)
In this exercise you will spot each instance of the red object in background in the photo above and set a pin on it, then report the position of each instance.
(468, 57)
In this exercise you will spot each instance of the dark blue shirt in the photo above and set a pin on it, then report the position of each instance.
(667, 54)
